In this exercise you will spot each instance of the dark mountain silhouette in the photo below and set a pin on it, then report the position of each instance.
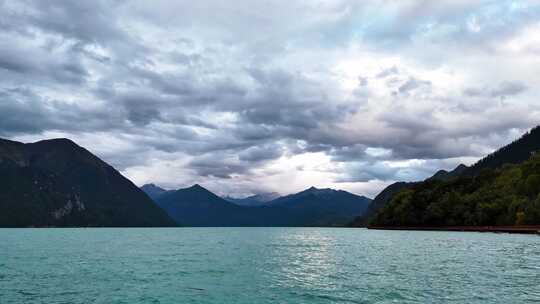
(57, 183)
(255, 200)
(387, 193)
(379, 202)
(444, 175)
(196, 206)
(323, 207)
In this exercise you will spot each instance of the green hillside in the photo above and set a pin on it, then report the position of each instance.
(505, 196)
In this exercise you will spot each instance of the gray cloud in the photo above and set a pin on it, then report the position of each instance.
(255, 154)
(364, 172)
(23, 111)
(210, 166)
(20, 63)
(87, 22)
(412, 84)
(508, 88)
(222, 100)
(502, 90)
(379, 170)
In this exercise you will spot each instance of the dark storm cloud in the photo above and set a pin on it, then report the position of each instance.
(10, 62)
(423, 136)
(21, 63)
(175, 84)
(289, 105)
(141, 110)
(349, 153)
(255, 154)
(22, 117)
(229, 162)
(210, 166)
(23, 111)
(364, 172)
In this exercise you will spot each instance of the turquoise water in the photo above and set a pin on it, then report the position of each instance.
(266, 265)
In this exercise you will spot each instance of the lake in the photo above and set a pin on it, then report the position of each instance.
(266, 265)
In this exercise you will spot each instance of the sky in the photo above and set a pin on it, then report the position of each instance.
(245, 96)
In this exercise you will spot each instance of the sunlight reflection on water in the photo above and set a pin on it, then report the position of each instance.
(266, 265)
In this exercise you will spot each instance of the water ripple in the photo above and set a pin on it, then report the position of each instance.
(266, 265)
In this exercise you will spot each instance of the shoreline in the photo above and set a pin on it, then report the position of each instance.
(531, 229)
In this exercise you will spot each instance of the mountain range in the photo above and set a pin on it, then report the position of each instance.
(58, 183)
(197, 206)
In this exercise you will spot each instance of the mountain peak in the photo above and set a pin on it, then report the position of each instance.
(66, 142)
(154, 191)
(197, 186)
(152, 186)
(316, 190)
(75, 188)
(461, 167)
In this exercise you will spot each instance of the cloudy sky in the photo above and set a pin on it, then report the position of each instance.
(249, 96)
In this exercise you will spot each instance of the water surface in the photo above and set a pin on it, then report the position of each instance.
(266, 265)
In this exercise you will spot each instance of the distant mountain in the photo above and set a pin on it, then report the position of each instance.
(254, 200)
(154, 191)
(323, 207)
(196, 206)
(58, 183)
